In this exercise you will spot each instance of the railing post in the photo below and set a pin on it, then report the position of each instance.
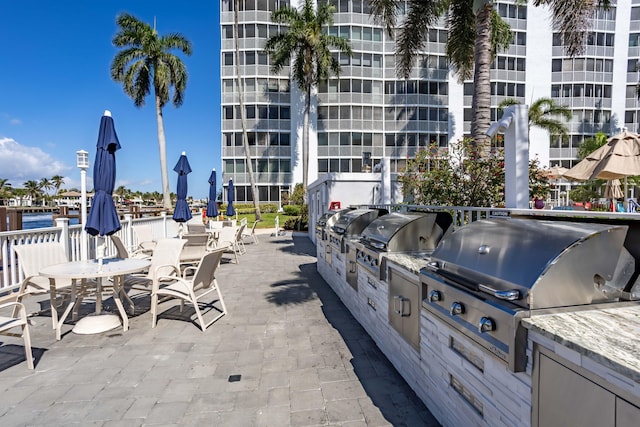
(128, 219)
(163, 214)
(63, 224)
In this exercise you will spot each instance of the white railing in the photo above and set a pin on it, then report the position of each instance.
(70, 236)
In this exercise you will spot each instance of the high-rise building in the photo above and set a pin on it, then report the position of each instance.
(368, 112)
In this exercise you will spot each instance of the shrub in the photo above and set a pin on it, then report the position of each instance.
(291, 210)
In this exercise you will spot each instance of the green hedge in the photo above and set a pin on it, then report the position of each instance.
(247, 208)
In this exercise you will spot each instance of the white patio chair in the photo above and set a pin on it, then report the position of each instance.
(239, 242)
(251, 233)
(227, 240)
(143, 236)
(196, 246)
(18, 319)
(122, 252)
(192, 290)
(34, 257)
(165, 261)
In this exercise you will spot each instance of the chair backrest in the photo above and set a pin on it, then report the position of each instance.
(34, 257)
(121, 250)
(215, 225)
(206, 273)
(240, 231)
(196, 228)
(143, 233)
(196, 239)
(226, 235)
(165, 260)
(243, 221)
(253, 227)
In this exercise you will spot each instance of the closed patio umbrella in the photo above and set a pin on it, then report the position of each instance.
(230, 210)
(212, 207)
(182, 213)
(103, 217)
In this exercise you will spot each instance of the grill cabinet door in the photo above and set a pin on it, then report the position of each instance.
(404, 307)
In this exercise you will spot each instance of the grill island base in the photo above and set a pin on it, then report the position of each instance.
(463, 384)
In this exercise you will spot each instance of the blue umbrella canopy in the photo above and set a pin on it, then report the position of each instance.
(182, 213)
(103, 217)
(230, 210)
(212, 206)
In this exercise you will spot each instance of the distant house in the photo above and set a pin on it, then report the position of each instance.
(24, 201)
(72, 199)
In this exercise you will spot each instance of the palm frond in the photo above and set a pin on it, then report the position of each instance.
(461, 22)
(422, 15)
(572, 19)
(385, 12)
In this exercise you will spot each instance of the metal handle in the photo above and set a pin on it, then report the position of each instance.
(508, 295)
(402, 305)
(433, 265)
(397, 299)
(353, 266)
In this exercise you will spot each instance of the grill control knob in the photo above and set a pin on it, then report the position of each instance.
(486, 325)
(456, 308)
(435, 296)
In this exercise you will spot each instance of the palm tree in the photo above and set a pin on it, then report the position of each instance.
(45, 185)
(543, 113)
(243, 120)
(122, 192)
(57, 181)
(147, 61)
(5, 190)
(306, 42)
(33, 190)
(476, 32)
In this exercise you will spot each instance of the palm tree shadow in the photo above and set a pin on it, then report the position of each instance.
(375, 372)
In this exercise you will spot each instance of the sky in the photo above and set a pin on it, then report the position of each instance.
(55, 85)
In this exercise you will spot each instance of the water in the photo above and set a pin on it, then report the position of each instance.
(41, 219)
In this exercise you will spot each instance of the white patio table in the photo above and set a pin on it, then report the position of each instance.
(92, 269)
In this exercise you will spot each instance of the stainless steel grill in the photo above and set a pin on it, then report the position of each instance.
(417, 232)
(486, 276)
(327, 220)
(350, 224)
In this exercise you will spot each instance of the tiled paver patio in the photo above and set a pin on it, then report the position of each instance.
(298, 357)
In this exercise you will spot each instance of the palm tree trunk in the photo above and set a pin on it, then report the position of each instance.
(305, 143)
(162, 147)
(481, 102)
(243, 120)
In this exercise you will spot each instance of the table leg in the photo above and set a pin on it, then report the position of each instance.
(118, 282)
(52, 302)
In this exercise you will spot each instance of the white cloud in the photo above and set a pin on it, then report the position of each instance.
(15, 122)
(19, 163)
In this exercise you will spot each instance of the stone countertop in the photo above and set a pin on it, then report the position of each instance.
(411, 261)
(610, 336)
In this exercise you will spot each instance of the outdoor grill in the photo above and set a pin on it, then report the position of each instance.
(417, 232)
(485, 277)
(324, 221)
(350, 224)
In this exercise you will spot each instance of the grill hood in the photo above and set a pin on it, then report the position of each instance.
(536, 263)
(354, 221)
(412, 231)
